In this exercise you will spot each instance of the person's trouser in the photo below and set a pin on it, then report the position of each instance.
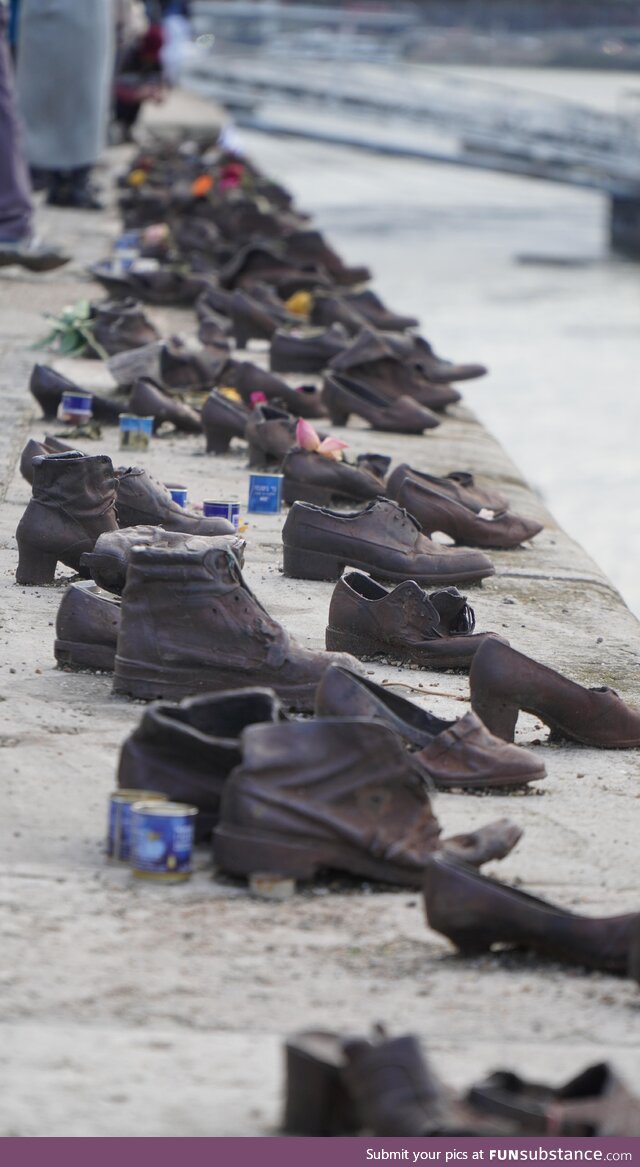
(16, 208)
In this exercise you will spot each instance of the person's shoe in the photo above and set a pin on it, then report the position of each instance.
(310, 247)
(190, 623)
(222, 420)
(369, 305)
(187, 751)
(305, 354)
(419, 353)
(120, 325)
(147, 400)
(34, 449)
(334, 793)
(109, 560)
(143, 501)
(342, 396)
(270, 433)
(382, 540)
(460, 754)
(247, 379)
(405, 625)
(310, 477)
(32, 253)
(47, 387)
(458, 484)
(437, 511)
(504, 682)
(595, 1103)
(371, 360)
(73, 502)
(475, 913)
(87, 626)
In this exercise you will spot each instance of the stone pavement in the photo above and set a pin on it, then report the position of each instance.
(136, 1010)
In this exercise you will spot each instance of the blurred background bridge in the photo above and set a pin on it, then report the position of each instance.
(350, 75)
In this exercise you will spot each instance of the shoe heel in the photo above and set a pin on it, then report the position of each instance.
(317, 1102)
(310, 564)
(500, 717)
(242, 854)
(217, 441)
(338, 418)
(35, 566)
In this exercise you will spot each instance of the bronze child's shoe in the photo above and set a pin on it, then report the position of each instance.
(503, 682)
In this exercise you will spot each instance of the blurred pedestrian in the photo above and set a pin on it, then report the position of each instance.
(64, 72)
(18, 244)
(139, 75)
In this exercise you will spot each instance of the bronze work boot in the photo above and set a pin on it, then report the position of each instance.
(311, 477)
(109, 560)
(405, 625)
(461, 754)
(475, 913)
(331, 793)
(187, 751)
(382, 539)
(87, 626)
(120, 325)
(190, 623)
(143, 501)
(503, 682)
(73, 502)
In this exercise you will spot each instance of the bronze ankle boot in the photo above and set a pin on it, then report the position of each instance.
(190, 623)
(73, 503)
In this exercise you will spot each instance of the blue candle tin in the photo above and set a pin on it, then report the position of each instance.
(119, 820)
(135, 432)
(179, 494)
(76, 408)
(162, 840)
(222, 509)
(265, 494)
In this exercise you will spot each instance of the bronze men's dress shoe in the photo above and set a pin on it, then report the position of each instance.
(187, 751)
(291, 353)
(382, 539)
(504, 681)
(374, 363)
(143, 501)
(403, 625)
(369, 305)
(87, 626)
(436, 510)
(458, 484)
(420, 354)
(475, 913)
(451, 754)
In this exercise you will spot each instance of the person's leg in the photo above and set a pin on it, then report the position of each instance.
(16, 207)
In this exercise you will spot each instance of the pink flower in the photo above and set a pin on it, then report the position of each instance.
(308, 439)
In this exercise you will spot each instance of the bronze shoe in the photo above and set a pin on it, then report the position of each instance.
(403, 625)
(438, 511)
(310, 477)
(503, 682)
(34, 449)
(458, 754)
(475, 912)
(148, 400)
(222, 420)
(458, 484)
(342, 396)
(143, 501)
(87, 624)
(109, 560)
(382, 539)
(372, 361)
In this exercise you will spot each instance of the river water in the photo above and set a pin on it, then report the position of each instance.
(562, 341)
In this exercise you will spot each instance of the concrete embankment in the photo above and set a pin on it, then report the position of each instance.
(148, 1011)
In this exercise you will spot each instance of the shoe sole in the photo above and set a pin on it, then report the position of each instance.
(74, 655)
(299, 563)
(152, 683)
(242, 853)
(366, 648)
(34, 264)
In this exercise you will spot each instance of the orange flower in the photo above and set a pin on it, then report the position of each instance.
(201, 186)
